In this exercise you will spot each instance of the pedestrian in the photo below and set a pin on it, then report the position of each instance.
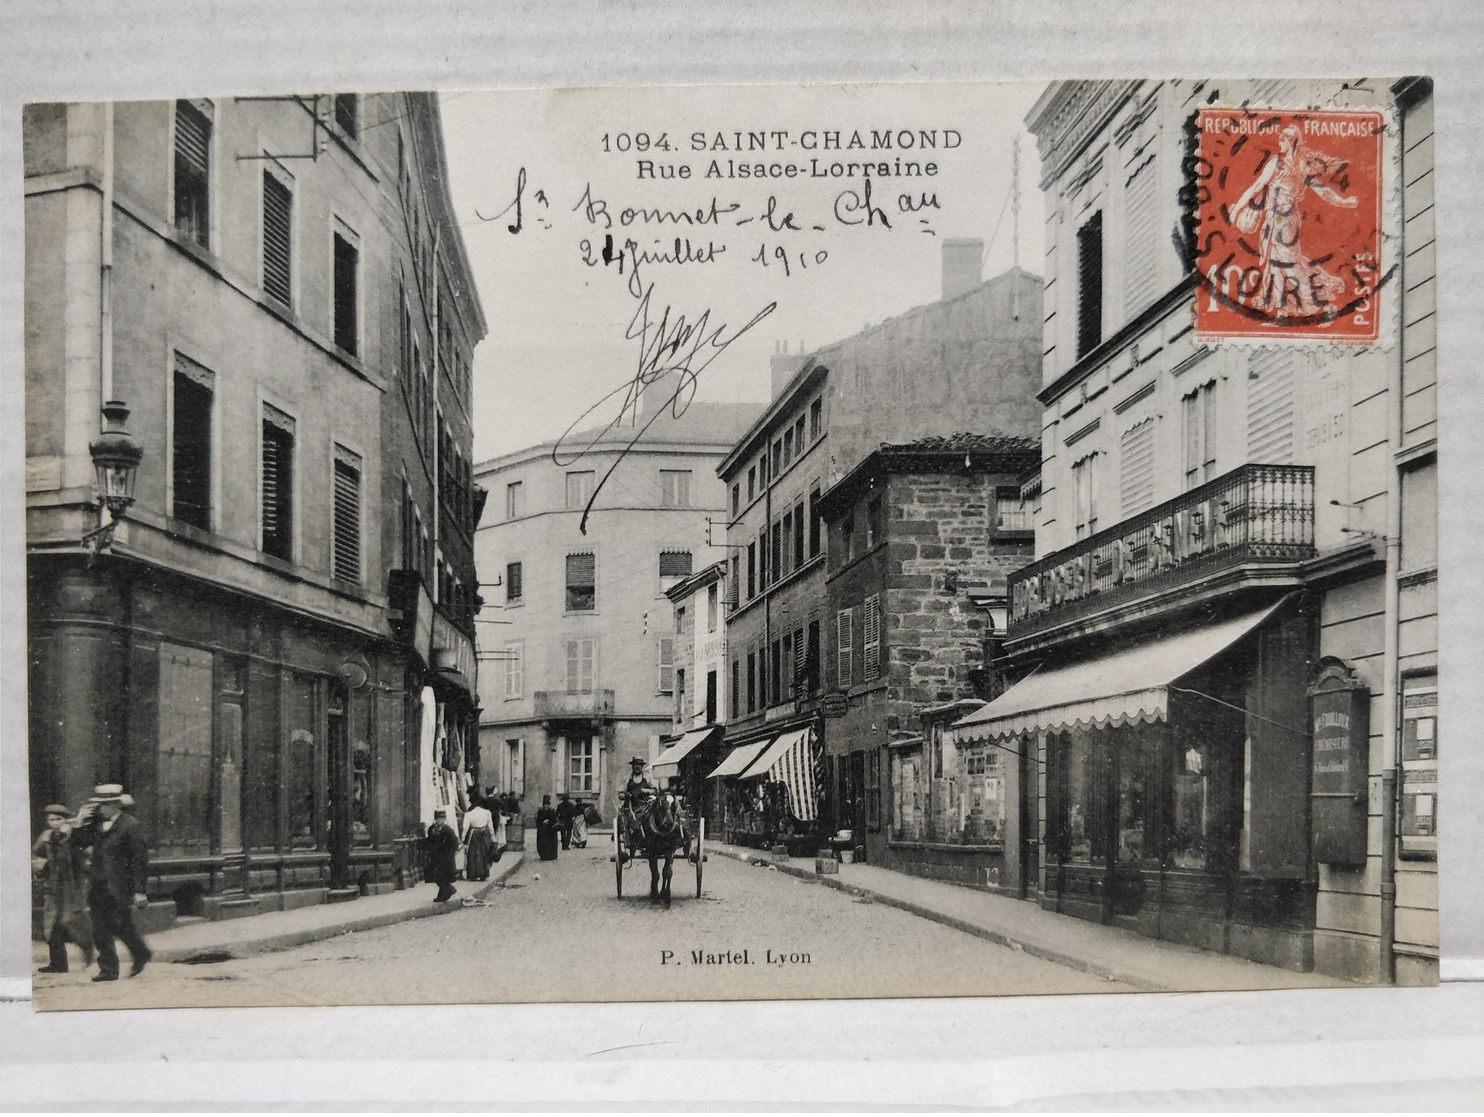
(579, 824)
(564, 819)
(118, 879)
(547, 828)
(479, 841)
(58, 861)
(443, 845)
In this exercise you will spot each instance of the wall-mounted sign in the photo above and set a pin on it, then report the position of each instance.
(834, 704)
(1339, 722)
(1417, 828)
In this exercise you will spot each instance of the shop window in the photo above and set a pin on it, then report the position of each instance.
(873, 789)
(190, 444)
(515, 673)
(300, 767)
(182, 815)
(515, 588)
(908, 816)
(278, 205)
(193, 172)
(347, 293)
(582, 582)
(278, 483)
(581, 766)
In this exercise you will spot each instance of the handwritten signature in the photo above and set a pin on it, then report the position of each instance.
(668, 344)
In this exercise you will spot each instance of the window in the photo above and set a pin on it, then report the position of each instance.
(873, 523)
(515, 500)
(679, 619)
(751, 682)
(515, 669)
(788, 543)
(762, 468)
(192, 172)
(762, 558)
(816, 419)
(1136, 469)
(1090, 284)
(788, 447)
(582, 582)
(666, 683)
(814, 521)
(751, 484)
(777, 457)
(347, 280)
(775, 672)
(844, 648)
(675, 567)
(580, 766)
(711, 600)
(514, 583)
(873, 789)
(871, 649)
(751, 571)
(736, 499)
(1420, 517)
(736, 688)
(847, 536)
(710, 697)
(734, 581)
(1085, 491)
(580, 655)
(811, 658)
(278, 206)
(515, 765)
(775, 565)
(1198, 419)
(348, 114)
(190, 444)
(674, 488)
(345, 562)
(680, 703)
(278, 483)
(787, 662)
(799, 436)
(579, 489)
(762, 676)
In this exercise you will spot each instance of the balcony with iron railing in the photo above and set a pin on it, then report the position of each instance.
(561, 705)
(1256, 514)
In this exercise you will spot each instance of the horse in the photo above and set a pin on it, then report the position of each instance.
(665, 831)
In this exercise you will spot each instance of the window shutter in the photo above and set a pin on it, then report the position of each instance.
(513, 587)
(277, 481)
(1270, 406)
(277, 211)
(192, 137)
(871, 667)
(667, 665)
(347, 526)
(675, 564)
(1090, 284)
(347, 263)
(191, 444)
(1140, 271)
(844, 648)
(1136, 468)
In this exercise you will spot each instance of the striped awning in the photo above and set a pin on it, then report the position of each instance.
(738, 759)
(1127, 687)
(789, 760)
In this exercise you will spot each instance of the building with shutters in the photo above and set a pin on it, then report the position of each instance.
(274, 653)
(1227, 730)
(577, 637)
(969, 359)
(921, 540)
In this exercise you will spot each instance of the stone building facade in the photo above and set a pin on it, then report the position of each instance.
(230, 268)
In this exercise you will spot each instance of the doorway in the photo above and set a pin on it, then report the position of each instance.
(341, 790)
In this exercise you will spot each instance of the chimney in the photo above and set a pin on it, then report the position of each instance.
(962, 265)
(784, 364)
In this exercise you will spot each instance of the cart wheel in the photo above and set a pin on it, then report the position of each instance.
(618, 857)
(700, 854)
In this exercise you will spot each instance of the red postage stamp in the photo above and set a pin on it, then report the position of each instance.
(1288, 224)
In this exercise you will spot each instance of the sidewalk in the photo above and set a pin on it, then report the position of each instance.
(280, 930)
(1107, 952)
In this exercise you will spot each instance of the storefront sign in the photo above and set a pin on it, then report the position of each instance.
(835, 704)
(1339, 721)
(1418, 825)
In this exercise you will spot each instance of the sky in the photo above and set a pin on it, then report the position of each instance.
(803, 261)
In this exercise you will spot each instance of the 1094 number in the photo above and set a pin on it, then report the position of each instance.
(635, 141)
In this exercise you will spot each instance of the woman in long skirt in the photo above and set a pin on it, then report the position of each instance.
(479, 841)
(548, 830)
(579, 826)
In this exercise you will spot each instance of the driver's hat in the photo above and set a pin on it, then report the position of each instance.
(639, 760)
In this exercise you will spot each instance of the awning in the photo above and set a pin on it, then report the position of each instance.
(682, 748)
(1126, 687)
(790, 761)
(738, 759)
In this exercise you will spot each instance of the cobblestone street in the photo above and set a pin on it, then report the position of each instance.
(556, 932)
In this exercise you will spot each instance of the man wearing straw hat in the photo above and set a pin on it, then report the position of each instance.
(119, 875)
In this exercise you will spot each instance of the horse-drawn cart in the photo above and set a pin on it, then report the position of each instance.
(665, 832)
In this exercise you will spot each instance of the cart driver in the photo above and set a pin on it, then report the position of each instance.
(638, 794)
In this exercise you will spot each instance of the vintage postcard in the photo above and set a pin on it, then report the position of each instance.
(732, 543)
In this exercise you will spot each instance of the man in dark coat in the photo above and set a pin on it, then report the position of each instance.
(564, 813)
(443, 845)
(59, 864)
(547, 829)
(117, 880)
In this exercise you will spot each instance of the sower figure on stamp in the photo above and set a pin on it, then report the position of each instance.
(638, 794)
(117, 880)
(59, 864)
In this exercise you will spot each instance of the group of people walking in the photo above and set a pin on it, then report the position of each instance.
(93, 868)
(482, 840)
(567, 822)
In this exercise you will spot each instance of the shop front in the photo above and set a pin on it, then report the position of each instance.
(769, 791)
(1176, 795)
(687, 759)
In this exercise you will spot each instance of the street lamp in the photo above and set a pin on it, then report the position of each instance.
(116, 458)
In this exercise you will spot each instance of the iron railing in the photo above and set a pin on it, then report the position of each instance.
(594, 704)
(1254, 514)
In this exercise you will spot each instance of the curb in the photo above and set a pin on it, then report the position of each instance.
(999, 938)
(286, 940)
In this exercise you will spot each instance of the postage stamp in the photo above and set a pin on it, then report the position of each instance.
(1289, 224)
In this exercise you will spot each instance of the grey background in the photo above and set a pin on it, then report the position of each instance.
(977, 1052)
